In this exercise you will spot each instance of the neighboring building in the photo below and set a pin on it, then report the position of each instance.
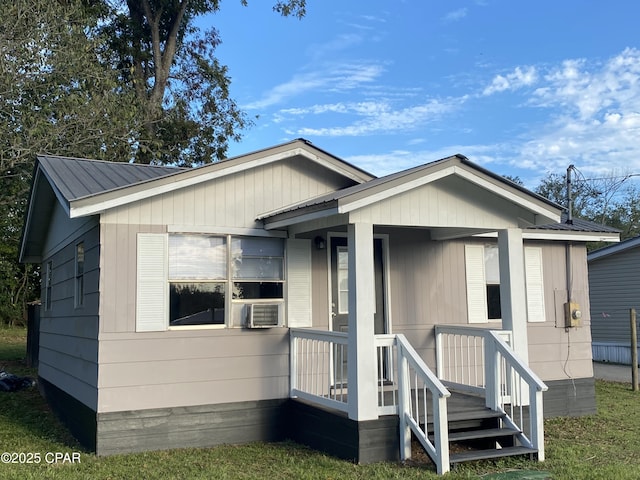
(614, 289)
(152, 278)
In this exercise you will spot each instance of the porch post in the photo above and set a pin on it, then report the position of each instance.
(361, 354)
(513, 297)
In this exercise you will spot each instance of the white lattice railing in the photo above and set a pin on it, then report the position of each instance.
(478, 360)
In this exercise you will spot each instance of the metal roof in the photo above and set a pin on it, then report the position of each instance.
(78, 177)
(577, 225)
(612, 249)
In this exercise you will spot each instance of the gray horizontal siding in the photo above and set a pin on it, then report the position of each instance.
(614, 283)
(69, 334)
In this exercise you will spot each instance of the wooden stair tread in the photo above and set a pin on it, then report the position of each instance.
(474, 415)
(473, 455)
(477, 434)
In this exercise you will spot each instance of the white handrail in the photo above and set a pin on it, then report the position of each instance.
(414, 378)
(508, 384)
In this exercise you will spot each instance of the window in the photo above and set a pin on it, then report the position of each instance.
(492, 280)
(258, 268)
(483, 283)
(343, 280)
(208, 275)
(47, 285)
(79, 283)
(197, 279)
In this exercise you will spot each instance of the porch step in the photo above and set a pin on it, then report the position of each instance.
(482, 434)
(473, 455)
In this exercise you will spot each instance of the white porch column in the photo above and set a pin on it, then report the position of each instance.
(513, 296)
(361, 356)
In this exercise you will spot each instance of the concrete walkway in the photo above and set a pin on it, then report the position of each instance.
(612, 372)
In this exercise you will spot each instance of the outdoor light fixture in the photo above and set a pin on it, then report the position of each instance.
(320, 243)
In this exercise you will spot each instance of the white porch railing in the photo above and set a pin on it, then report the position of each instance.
(318, 367)
(480, 361)
(406, 386)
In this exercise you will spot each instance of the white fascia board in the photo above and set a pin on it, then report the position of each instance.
(220, 230)
(94, 204)
(561, 235)
(535, 207)
(277, 224)
(346, 206)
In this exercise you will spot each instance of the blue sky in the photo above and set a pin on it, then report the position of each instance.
(521, 88)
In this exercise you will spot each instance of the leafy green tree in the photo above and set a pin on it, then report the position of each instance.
(56, 96)
(188, 116)
(118, 80)
(610, 200)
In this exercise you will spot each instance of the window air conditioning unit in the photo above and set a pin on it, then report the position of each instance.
(263, 315)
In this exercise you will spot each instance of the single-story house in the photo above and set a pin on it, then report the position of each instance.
(614, 289)
(289, 294)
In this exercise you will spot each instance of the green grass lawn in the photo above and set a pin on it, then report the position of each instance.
(602, 446)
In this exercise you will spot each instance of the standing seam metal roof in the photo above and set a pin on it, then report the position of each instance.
(78, 177)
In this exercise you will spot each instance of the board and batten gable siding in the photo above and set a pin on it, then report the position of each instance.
(232, 201)
(68, 356)
(614, 286)
(181, 367)
(450, 201)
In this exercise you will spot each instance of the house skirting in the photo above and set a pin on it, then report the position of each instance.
(78, 417)
(612, 352)
(335, 434)
(267, 421)
(193, 426)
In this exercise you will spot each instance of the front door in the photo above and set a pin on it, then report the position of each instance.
(340, 295)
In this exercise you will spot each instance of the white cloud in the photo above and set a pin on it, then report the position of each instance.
(455, 15)
(596, 116)
(328, 77)
(520, 77)
(397, 160)
(379, 117)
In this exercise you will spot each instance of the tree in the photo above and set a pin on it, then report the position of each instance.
(56, 96)
(118, 80)
(188, 116)
(609, 200)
